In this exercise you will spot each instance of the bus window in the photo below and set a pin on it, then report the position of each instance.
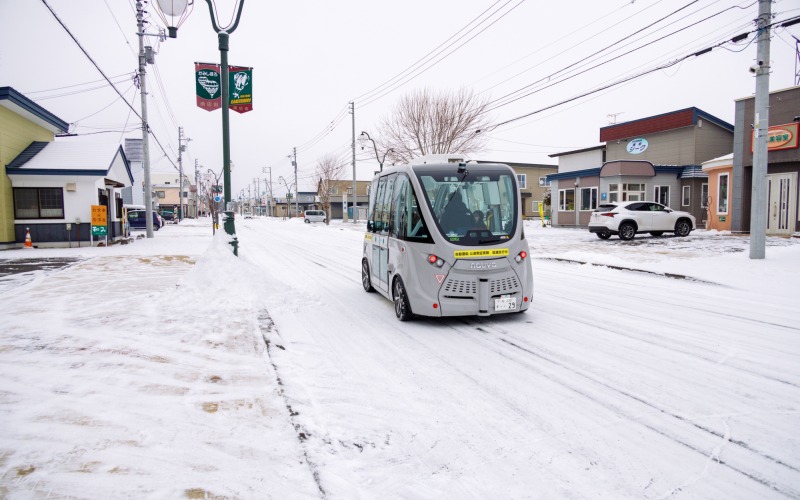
(386, 203)
(399, 214)
(371, 209)
(492, 194)
(377, 208)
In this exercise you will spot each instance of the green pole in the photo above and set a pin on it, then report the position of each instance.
(226, 141)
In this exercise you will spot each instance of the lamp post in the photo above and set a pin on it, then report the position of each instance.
(363, 138)
(173, 7)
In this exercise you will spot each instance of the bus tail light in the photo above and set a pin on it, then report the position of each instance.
(521, 256)
(435, 261)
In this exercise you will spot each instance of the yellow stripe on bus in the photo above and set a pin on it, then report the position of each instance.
(468, 254)
(368, 236)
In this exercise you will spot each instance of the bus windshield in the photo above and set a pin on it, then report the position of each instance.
(473, 206)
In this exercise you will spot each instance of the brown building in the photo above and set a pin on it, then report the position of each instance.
(783, 163)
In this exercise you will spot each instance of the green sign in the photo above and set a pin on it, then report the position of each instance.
(207, 86)
(240, 88)
(99, 230)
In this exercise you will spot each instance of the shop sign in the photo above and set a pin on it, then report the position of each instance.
(637, 146)
(779, 137)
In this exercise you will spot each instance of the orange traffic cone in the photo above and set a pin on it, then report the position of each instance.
(28, 242)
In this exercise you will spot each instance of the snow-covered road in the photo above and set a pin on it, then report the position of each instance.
(170, 369)
(615, 384)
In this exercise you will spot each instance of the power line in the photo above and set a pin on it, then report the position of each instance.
(380, 87)
(434, 63)
(632, 77)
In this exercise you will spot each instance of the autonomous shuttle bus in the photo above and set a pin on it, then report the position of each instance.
(447, 240)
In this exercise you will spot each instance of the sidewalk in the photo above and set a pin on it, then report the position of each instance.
(143, 375)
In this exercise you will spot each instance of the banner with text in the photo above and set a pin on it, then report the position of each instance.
(240, 88)
(207, 85)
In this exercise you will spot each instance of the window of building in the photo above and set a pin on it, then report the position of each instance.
(334, 191)
(588, 198)
(661, 195)
(349, 191)
(535, 207)
(38, 203)
(686, 199)
(704, 195)
(613, 193)
(633, 192)
(566, 200)
(543, 182)
(521, 178)
(161, 194)
(722, 195)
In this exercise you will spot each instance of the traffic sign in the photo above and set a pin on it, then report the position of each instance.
(217, 199)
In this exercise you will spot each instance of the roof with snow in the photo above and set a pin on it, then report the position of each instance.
(72, 158)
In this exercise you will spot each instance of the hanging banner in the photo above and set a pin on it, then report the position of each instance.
(240, 88)
(207, 86)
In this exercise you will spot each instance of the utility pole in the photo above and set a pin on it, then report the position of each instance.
(271, 198)
(181, 148)
(758, 200)
(355, 198)
(148, 185)
(296, 201)
(196, 188)
(269, 187)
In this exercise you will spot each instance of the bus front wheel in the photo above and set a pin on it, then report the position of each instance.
(401, 306)
(365, 281)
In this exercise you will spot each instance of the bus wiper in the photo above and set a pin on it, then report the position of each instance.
(490, 240)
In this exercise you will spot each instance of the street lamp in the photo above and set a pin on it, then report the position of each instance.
(363, 138)
(174, 13)
(288, 195)
(223, 35)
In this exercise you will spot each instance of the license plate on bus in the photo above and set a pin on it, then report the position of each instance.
(505, 303)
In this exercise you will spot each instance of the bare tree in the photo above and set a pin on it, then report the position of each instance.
(426, 122)
(327, 171)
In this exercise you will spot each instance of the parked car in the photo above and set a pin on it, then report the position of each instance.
(632, 217)
(314, 216)
(137, 218)
(167, 215)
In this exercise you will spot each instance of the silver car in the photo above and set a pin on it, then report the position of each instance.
(632, 217)
(314, 216)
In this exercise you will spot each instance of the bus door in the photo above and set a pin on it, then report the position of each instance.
(380, 240)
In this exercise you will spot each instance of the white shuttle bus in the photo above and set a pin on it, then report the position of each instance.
(447, 240)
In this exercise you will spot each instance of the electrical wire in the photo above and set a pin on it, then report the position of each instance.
(434, 63)
(513, 96)
(629, 78)
(380, 87)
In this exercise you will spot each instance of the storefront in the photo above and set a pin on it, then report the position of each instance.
(783, 163)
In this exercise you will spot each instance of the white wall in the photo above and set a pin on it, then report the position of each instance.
(77, 204)
(580, 161)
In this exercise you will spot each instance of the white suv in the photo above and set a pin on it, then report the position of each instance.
(627, 219)
(314, 216)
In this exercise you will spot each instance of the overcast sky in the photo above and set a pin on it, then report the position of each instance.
(311, 58)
